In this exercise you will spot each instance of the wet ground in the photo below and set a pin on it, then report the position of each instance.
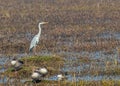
(84, 64)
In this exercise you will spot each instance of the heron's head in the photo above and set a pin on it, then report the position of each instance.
(41, 23)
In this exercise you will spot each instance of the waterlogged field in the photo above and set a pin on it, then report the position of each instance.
(81, 38)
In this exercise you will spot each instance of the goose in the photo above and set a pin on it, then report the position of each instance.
(43, 71)
(36, 76)
(39, 74)
(62, 76)
(17, 64)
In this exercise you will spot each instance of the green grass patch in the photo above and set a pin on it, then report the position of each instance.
(51, 62)
(41, 58)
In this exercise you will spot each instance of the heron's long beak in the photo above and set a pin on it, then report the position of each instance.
(44, 22)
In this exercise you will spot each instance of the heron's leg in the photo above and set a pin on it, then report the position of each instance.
(34, 51)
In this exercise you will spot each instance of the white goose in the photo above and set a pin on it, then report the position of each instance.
(36, 75)
(39, 73)
(17, 64)
(62, 76)
(43, 71)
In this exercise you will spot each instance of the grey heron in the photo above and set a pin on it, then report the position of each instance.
(36, 38)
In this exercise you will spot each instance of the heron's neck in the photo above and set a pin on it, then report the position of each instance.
(39, 31)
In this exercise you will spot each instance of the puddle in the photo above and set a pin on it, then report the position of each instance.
(3, 79)
(107, 35)
(117, 35)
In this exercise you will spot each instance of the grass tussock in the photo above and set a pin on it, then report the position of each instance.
(50, 62)
(41, 58)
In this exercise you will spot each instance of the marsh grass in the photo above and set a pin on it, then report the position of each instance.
(74, 25)
(81, 83)
(23, 72)
(88, 17)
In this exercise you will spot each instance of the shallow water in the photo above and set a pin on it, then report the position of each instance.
(88, 78)
(97, 78)
(3, 79)
(74, 65)
(115, 35)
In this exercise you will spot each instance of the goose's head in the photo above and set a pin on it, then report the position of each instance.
(14, 61)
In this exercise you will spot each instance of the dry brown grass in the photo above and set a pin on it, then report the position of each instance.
(74, 25)
(78, 20)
